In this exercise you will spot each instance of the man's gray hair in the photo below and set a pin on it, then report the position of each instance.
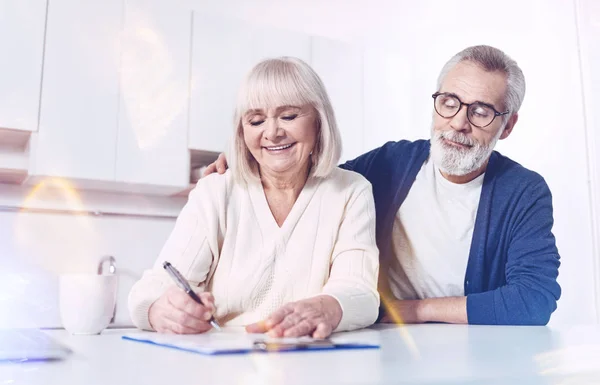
(492, 59)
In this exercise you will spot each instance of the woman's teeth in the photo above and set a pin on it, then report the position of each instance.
(277, 148)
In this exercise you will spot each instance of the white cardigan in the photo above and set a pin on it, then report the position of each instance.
(227, 241)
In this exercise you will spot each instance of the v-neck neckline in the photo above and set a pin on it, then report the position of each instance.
(265, 215)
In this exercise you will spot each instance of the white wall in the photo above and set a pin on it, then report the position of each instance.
(588, 18)
(45, 239)
(37, 247)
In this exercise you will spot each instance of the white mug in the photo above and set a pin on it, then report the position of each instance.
(87, 302)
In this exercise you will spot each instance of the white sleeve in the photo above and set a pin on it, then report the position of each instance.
(187, 248)
(355, 263)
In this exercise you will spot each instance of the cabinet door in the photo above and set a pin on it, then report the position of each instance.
(223, 52)
(80, 90)
(154, 95)
(22, 45)
(340, 66)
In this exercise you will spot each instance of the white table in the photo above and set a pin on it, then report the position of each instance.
(422, 354)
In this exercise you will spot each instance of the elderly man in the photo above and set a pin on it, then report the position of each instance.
(465, 234)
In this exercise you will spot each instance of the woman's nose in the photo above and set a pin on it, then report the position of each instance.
(272, 129)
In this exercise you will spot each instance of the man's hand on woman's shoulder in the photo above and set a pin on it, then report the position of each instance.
(219, 165)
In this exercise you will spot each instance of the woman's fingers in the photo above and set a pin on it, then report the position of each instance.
(208, 300)
(271, 322)
(164, 318)
(176, 312)
(182, 301)
(303, 318)
(173, 327)
(187, 321)
(323, 331)
(314, 317)
(258, 327)
(303, 328)
(278, 316)
(290, 320)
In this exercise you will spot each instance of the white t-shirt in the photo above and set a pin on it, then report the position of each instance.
(432, 236)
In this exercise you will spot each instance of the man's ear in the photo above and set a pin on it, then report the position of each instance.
(509, 126)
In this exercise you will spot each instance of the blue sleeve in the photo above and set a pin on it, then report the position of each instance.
(531, 291)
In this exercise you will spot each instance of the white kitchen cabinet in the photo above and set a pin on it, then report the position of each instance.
(223, 51)
(22, 45)
(154, 95)
(80, 91)
(340, 66)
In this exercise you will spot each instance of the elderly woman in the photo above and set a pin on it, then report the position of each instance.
(282, 243)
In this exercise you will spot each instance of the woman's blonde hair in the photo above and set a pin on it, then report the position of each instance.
(285, 81)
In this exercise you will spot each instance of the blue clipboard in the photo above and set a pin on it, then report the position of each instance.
(221, 343)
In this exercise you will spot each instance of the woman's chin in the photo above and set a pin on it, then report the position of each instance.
(282, 167)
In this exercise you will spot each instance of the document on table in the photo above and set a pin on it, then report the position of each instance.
(214, 343)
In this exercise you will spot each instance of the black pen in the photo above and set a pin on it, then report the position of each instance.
(185, 286)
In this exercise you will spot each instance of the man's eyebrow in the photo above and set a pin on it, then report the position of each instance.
(476, 101)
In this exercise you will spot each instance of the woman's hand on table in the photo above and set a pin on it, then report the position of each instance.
(316, 317)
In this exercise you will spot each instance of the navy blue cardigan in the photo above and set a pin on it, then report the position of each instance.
(513, 262)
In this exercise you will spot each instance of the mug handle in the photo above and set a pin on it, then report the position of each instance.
(112, 269)
(112, 265)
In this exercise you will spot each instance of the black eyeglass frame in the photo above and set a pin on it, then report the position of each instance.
(496, 113)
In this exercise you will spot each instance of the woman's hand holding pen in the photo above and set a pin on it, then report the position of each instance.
(176, 312)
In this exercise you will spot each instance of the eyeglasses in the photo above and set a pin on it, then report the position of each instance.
(478, 113)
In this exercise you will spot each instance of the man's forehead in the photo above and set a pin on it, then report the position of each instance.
(472, 83)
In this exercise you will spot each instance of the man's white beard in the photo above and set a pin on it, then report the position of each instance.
(459, 161)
